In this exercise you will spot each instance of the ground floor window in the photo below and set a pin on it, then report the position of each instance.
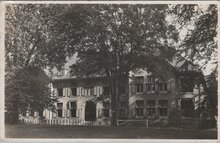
(139, 108)
(106, 112)
(162, 107)
(106, 108)
(72, 107)
(60, 109)
(150, 108)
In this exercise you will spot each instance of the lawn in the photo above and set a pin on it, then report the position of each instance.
(58, 131)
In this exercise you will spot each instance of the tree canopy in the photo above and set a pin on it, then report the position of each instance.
(116, 39)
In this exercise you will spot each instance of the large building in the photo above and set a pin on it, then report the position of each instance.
(145, 96)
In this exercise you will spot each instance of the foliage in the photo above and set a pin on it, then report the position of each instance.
(175, 116)
(200, 46)
(200, 42)
(27, 89)
(115, 39)
(29, 30)
(29, 50)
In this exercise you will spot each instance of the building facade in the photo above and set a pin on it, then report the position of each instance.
(145, 96)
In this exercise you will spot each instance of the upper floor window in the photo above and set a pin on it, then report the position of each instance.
(162, 87)
(106, 90)
(60, 92)
(150, 84)
(139, 87)
(150, 79)
(150, 87)
(87, 91)
(74, 91)
(139, 82)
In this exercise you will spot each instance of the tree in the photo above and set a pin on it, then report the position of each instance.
(26, 89)
(115, 39)
(200, 46)
(29, 30)
(28, 51)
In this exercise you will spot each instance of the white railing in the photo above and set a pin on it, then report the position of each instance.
(123, 122)
(64, 122)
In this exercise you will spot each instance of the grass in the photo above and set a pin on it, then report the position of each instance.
(125, 132)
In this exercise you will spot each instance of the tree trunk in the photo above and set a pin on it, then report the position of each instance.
(114, 101)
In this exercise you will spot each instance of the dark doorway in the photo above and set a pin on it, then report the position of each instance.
(90, 111)
(187, 107)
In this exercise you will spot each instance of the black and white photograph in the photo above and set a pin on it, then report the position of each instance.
(110, 70)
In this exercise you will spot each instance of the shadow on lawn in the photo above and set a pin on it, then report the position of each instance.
(125, 132)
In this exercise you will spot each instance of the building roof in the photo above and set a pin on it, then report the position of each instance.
(181, 64)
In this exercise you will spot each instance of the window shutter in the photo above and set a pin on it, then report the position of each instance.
(68, 113)
(132, 88)
(101, 90)
(55, 92)
(95, 92)
(64, 91)
(54, 114)
(110, 113)
(81, 91)
(98, 93)
(88, 91)
(78, 91)
(68, 92)
(85, 91)
(99, 113)
(77, 113)
(67, 105)
(63, 113)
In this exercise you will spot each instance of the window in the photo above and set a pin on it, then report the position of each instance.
(162, 107)
(122, 109)
(74, 91)
(150, 84)
(150, 87)
(106, 107)
(60, 92)
(106, 90)
(41, 113)
(150, 108)
(139, 87)
(72, 109)
(139, 108)
(151, 79)
(139, 81)
(162, 87)
(60, 109)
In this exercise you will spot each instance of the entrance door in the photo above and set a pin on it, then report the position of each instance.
(90, 111)
(187, 107)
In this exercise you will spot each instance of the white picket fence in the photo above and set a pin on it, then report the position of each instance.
(64, 122)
